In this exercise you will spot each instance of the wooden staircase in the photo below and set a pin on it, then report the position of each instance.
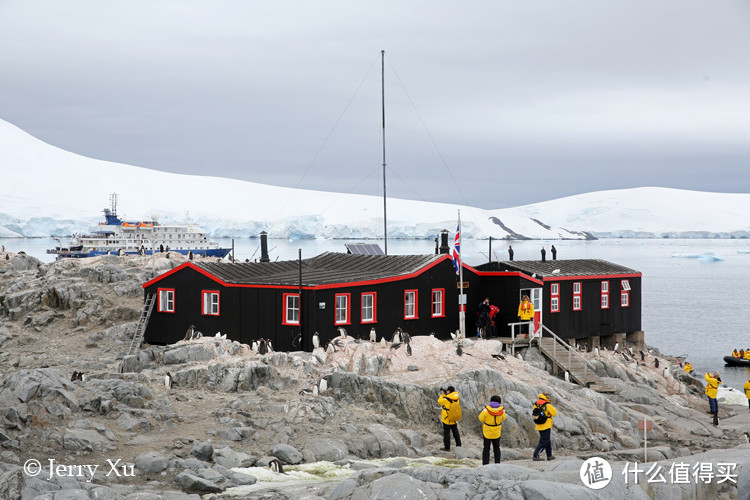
(140, 330)
(564, 357)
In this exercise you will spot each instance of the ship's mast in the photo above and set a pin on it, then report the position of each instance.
(113, 203)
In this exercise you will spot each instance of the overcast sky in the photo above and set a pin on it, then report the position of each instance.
(494, 104)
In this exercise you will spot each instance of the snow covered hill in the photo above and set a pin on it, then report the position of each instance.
(46, 191)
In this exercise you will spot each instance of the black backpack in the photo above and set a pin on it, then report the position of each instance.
(538, 415)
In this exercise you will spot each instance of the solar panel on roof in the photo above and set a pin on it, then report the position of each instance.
(364, 249)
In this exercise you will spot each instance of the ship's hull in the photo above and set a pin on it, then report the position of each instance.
(205, 252)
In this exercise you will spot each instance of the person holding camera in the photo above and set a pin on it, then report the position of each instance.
(450, 415)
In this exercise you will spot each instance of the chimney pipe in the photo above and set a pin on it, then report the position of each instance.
(264, 247)
(444, 248)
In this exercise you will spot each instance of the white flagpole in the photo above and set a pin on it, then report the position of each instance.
(461, 307)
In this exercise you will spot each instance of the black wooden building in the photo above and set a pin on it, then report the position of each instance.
(576, 299)
(284, 301)
(278, 300)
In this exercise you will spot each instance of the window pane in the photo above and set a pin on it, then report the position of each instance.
(437, 302)
(367, 308)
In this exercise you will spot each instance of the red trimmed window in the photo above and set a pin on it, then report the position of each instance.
(210, 301)
(166, 300)
(369, 307)
(554, 297)
(410, 304)
(605, 294)
(342, 308)
(438, 302)
(577, 306)
(625, 293)
(291, 309)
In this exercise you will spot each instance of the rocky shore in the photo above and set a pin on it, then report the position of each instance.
(362, 422)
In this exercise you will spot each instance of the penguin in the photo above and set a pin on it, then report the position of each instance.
(432, 334)
(342, 332)
(189, 333)
(270, 346)
(567, 376)
(395, 345)
(459, 351)
(330, 349)
(383, 342)
(396, 336)
(656, 362)
(630, 350)
(617, 346)
(74, 377)
(223, 336)
(168, 380)
(315, 390)
(254, 346)
(373, 335)
(453, 336)
(405, 337)
(499, 356)
(605, 444)
(666, 372)
(81, 376)
(643, 356)
(305, 392)
(747, 438)
(596, 351)
(316, 340)
(262, 347)
(276, 466)
(408, 349)
(323, 385)
(604, 348)
(519, 356)
(218, 335)
(197, 335)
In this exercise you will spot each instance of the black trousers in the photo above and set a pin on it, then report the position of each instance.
(545, 443)
(486, 451)
(447, 430)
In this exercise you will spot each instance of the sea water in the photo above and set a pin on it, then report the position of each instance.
(696, 301)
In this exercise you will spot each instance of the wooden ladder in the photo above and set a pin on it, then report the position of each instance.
(140, 330)
(565, 357)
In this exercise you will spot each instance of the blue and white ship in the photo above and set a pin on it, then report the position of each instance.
(118, 237)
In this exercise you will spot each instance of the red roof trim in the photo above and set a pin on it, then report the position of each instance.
(292, 287)
(592, 277)
(508, 273)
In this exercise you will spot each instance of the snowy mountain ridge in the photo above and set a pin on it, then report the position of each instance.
(47, 191)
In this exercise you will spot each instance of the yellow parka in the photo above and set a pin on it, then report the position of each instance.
(688, 367)
(747, 389)
(549, 410)
(526, 310)
(712, 386)
(492, 418)
(446, 402)
(747, 355)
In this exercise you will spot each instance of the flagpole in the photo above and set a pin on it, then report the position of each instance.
(461, 307)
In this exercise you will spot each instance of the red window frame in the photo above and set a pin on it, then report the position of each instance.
(374, 308)
(161, 307)
(441, 314)
(416, 311)
(605, 294)
(554, 297)
(577, 295)
(625, 293)
(348, 320)
(203, 303)
(285, 309)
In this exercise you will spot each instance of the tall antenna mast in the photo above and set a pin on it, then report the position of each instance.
(382, 86)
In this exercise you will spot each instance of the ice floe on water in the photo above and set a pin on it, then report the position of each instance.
(702, 257)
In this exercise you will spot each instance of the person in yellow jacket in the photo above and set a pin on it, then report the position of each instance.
(736, 353)
(688, 368)
(747, 393)
(712, 387)
(449, 416)
(747, 354)
(544, 428)
(492, 417)
(526, 313)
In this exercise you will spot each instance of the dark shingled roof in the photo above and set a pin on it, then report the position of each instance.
(573, 267)
(324, 269)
